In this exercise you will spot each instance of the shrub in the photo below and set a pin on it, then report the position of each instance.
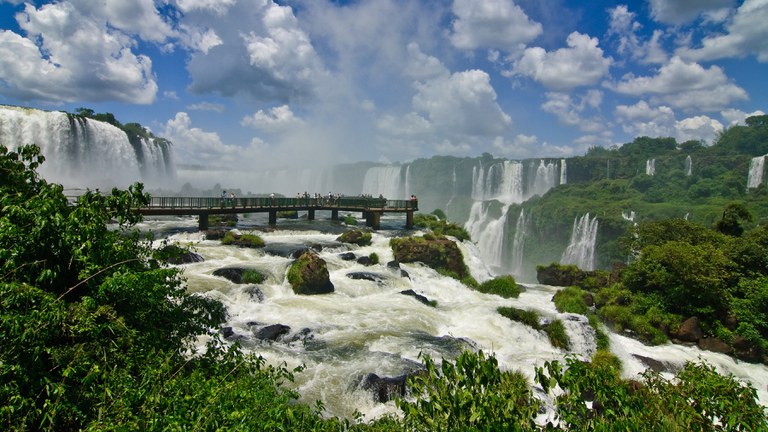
(571, 300)
(242, 240)
(504, 286)
(374, 258)
(557, 335)
(471, 393)
(528, 317)
(251, 276)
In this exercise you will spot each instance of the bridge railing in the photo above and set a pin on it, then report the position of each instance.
(282, 202)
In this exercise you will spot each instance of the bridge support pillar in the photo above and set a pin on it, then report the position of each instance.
(273, 217)
(409, 220)
(334, 215)
(373, 219)
(202, 222)
(310, 214)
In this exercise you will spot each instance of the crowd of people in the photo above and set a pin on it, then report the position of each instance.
(302, 199)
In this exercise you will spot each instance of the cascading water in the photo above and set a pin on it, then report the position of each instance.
(367, 326)
(386, 181)
(518, 245)
(82, 152)
(688, 165)
(563, 172)
(581, 249)
(650, 167)
(503, 183)
(756, 169)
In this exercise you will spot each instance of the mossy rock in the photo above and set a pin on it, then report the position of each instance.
(240, 275)
(175, 254)
(504, 286)
(242, 240)
(358, 237)
(436, 252)
(288, 214)
(309, 275)
(218, 220)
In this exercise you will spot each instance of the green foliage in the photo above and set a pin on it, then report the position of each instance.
(440, 226)
(470, 394)
(731, 222)
(691, 280)
(504, 286)
(557, 335)
(251, 276)
(242, 240)
(440, 214)
(374, 257)
(356, 236)
(349, 220)
(698, 398)
(528, 317)
(571, 300)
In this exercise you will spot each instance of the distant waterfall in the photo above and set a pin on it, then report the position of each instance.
(501, 181)
(518, 245)
(581, 249)
(453, 187)
(688, 165)
(563, 172)
(385, 180)
(408, 191)
(82, 152)
(650, 167)
(544, 180)
(494, 189)
(756, 169)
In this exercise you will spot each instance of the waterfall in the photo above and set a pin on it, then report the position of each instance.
(563, 172)
(518, 245)
(507, 182)
(581, 249)
(453, 187)
(408, 190)
(385, 180)
(688, 165)
(628, 216)
(650, 167)
(544, 179)
(756, 168)
(82, 152)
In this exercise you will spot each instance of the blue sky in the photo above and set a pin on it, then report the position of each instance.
(256, 83)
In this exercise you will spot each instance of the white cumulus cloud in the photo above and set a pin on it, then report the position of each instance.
(746, 34)
(684, 85)
(581, 64)
(683, 11)
(492, 24)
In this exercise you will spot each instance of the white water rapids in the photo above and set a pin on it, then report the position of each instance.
(369, 326)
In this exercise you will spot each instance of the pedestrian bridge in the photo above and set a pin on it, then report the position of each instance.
(371, 208)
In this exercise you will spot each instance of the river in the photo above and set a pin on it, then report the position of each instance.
(368, 326)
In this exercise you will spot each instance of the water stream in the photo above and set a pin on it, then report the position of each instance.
(368, 326)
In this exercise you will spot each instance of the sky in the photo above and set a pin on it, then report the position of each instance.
(245, 84)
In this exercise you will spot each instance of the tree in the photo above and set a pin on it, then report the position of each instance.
(731, 221)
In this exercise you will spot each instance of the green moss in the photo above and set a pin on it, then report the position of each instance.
(528, 317)
(243, 240)
(504, 286)
(374, 258)
(253, 277)
(349, 220)
(557, 335)
(571, 300)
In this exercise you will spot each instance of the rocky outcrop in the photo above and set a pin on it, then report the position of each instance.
(418, 297)
(309, 275)
(373, 277)
(384, 389)
(438, 253)
(358, 237)
(690, 331)
(175, 254)
(240, 275)
(569, 275)
(348, 256)
(272, 332)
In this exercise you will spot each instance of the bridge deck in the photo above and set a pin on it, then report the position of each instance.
(372, 208)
